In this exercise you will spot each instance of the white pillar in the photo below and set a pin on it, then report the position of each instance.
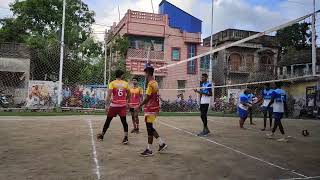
(61, 54)
(314, 48)
(211, 55)
(105, 65)
(109, 71)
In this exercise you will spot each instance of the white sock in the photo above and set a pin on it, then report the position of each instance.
(126, 134)
(160, 141)
(149, 145)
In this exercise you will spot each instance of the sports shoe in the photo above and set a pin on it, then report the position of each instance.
(263, 129)
(162, 147)
(133, 130)
(283, 139)
(206, 131)
(137, 131)
(203, 134)
(99, 137)
(270, 135)
(125, 140)
(146, 153)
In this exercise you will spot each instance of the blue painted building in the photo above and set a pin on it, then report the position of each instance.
(179, 18)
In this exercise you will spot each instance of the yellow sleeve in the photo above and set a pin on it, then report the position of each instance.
(111, 85)
(149, 90)
(127, 86)
(141, 91)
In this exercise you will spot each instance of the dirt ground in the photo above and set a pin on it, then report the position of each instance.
(62, 148)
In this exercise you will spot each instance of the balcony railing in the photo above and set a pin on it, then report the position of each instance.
(192, 37)
(146, 16)
(238, 69)
(266, 68)
(296, 74)
(143, 54)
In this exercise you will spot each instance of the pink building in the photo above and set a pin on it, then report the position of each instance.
(165, 39)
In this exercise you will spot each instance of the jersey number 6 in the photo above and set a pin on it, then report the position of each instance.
(120, 92)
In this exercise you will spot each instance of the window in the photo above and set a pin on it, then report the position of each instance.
(266, 63)
(181, 85)
(143, 42)
(175, 54)
(235, 62)
(192, 50)
(250, 62)
(205, 63)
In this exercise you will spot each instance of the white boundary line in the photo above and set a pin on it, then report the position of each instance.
(235, 150)
(314, 177)
(94, 152)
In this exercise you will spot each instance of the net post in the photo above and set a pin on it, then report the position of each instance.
(105, 65)
(61, 54)
(314, 48)
(110, 59)
(211, 55)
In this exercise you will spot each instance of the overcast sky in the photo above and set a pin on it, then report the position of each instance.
(257, 15)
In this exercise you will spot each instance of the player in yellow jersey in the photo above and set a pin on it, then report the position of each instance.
(151, 110)
(119, 91)
(136, 97)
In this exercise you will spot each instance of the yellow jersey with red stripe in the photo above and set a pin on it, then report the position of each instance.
(119, 93)
(135, 96)
(153, 105)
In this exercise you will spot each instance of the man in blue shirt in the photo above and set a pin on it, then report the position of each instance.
(243, 107)
(279, 102)
(205, 95)
(266, 98)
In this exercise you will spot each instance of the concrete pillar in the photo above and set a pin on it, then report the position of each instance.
(285, 72)
(256, 62)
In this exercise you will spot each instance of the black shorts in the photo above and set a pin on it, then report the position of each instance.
(132, 110)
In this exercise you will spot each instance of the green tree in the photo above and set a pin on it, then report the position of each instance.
(120, 47)
(38, 24)
(11, 31)
(296, 36)
(44, 17)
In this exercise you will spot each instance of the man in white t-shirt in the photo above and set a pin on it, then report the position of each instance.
(205, 96)
(279, 102)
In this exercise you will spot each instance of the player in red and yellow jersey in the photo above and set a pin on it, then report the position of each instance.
(151, 110)
(119, 91)
(136, 96)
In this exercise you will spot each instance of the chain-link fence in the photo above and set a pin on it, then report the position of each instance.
(29, 71)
